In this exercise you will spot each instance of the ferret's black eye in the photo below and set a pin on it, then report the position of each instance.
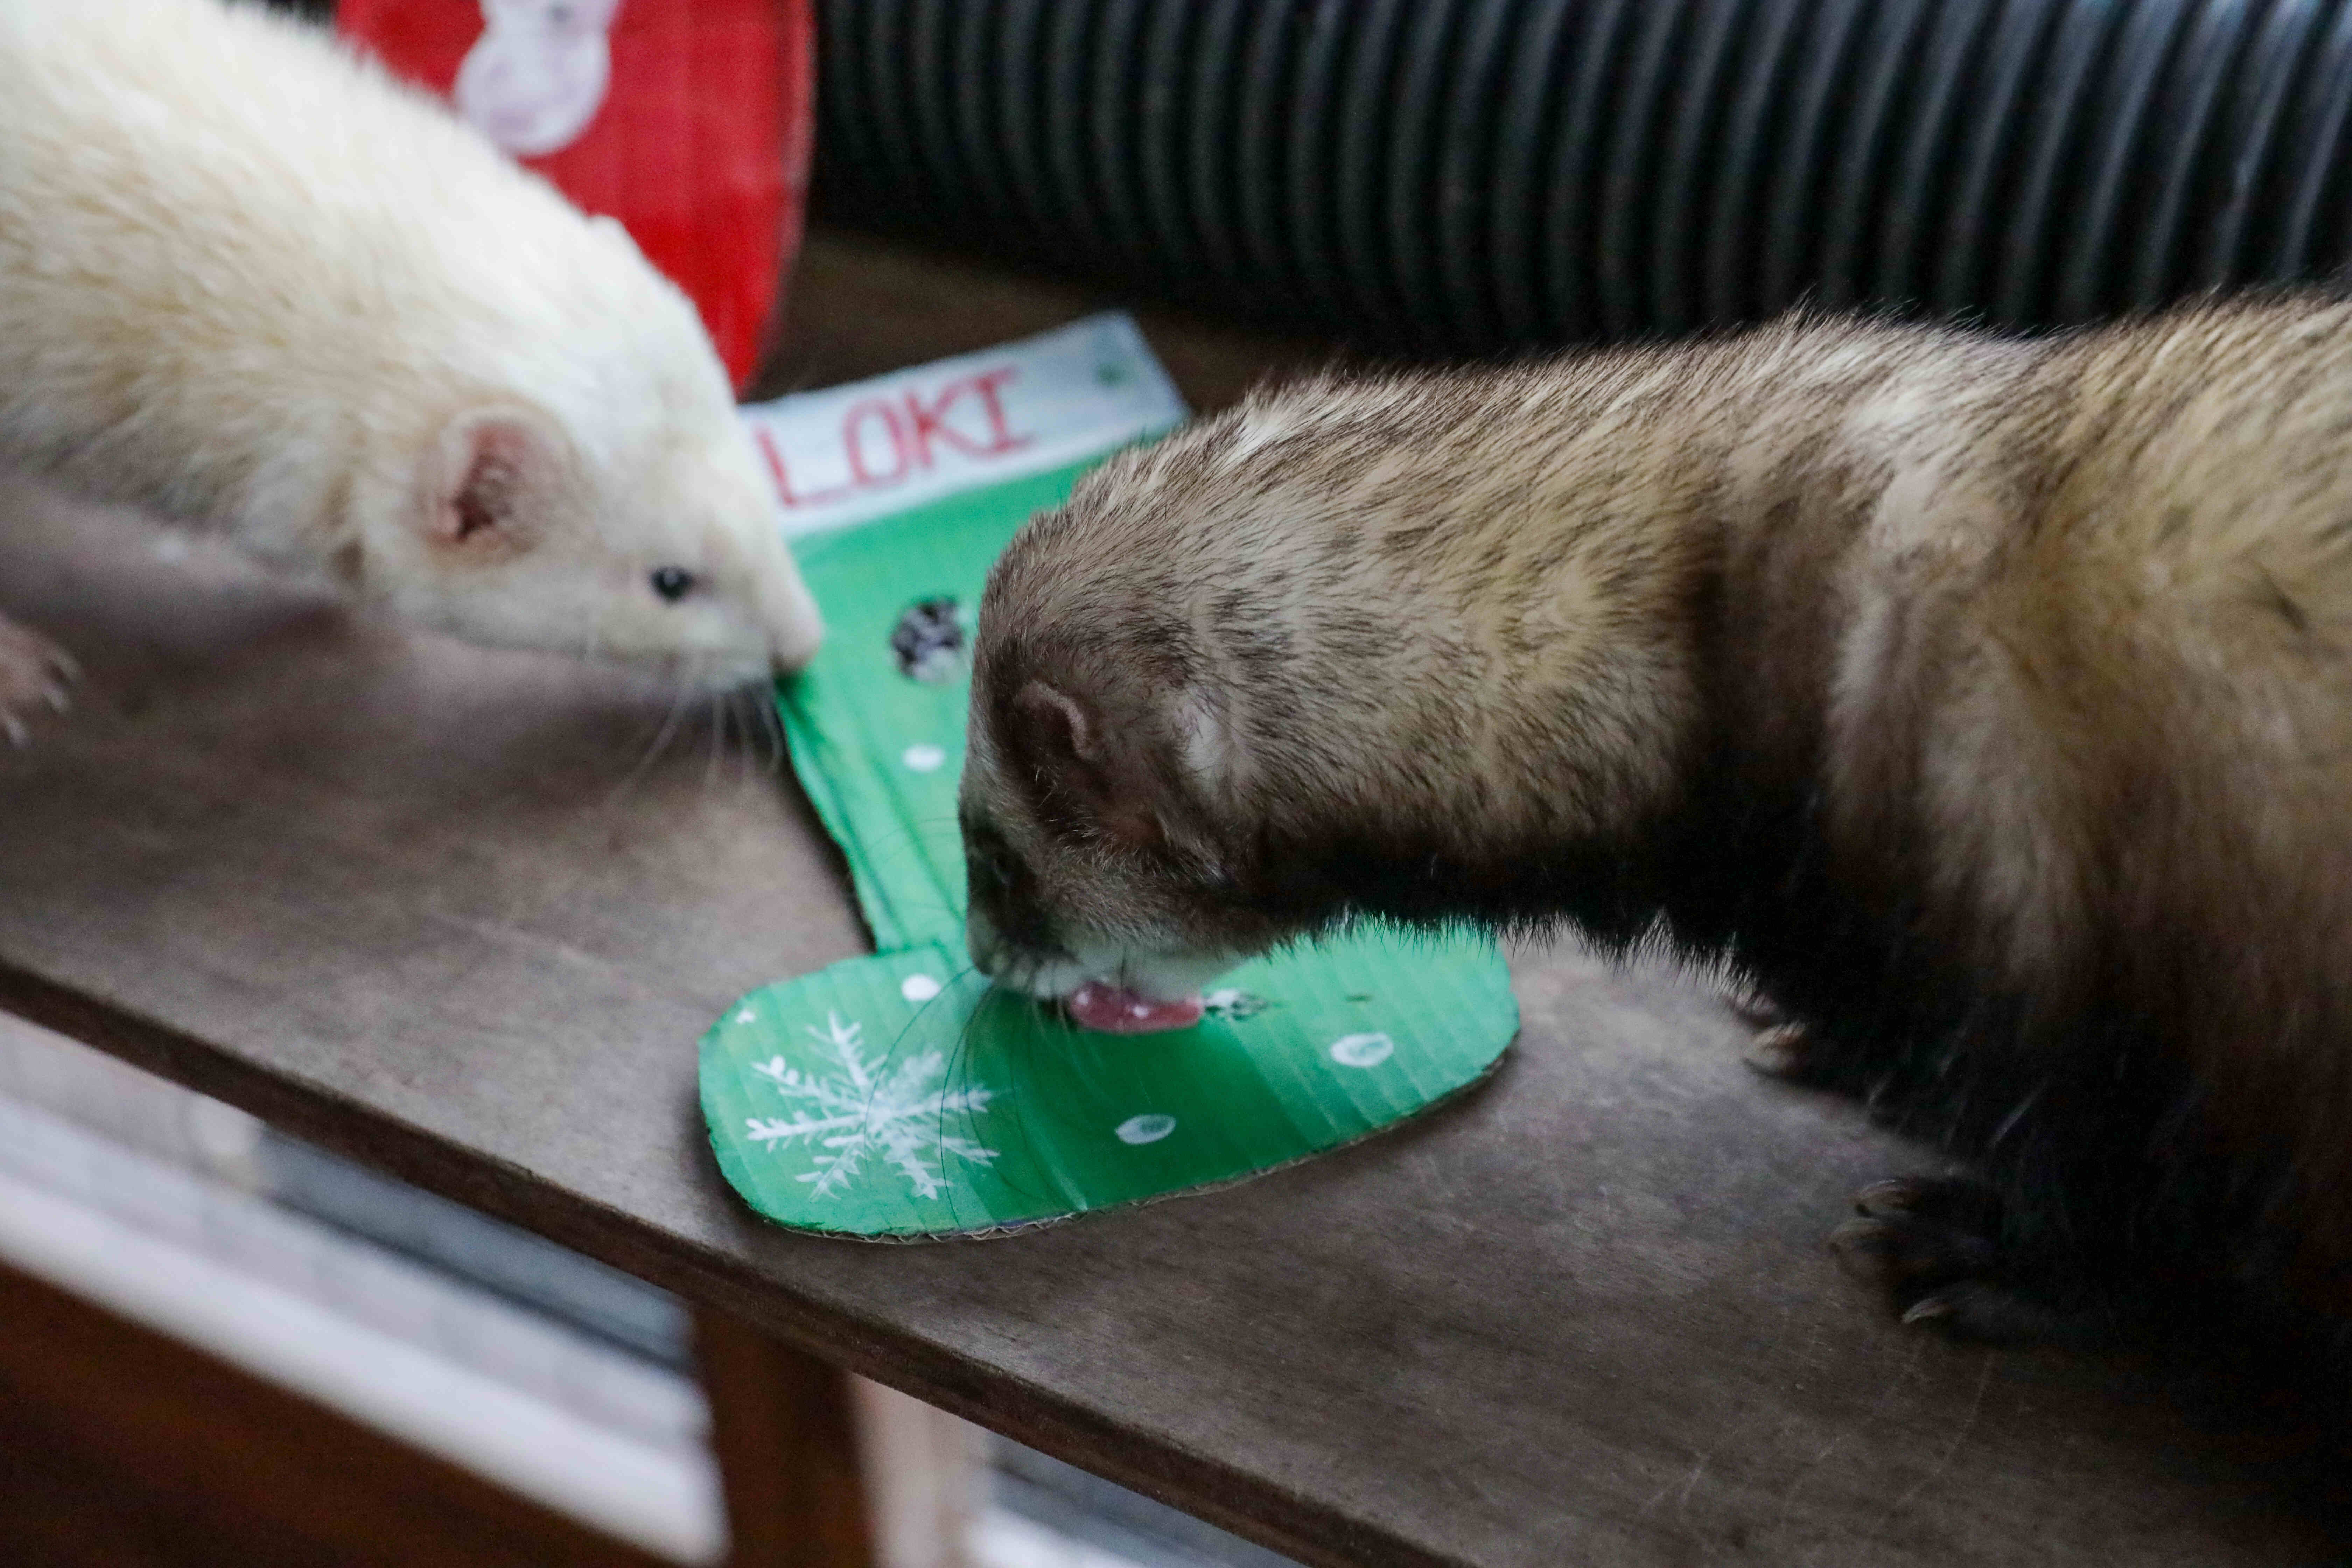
(673, 582)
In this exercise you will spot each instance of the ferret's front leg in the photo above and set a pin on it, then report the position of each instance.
(1943, 1250)
(35, 674)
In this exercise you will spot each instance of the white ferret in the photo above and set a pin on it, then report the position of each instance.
(250, 282)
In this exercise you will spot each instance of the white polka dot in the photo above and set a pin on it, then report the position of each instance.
(747, 1017)
(1362, 1050)
(1145, 1128)
(923, 757)
(918, 988)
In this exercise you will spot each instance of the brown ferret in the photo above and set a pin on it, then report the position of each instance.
(1987, 701)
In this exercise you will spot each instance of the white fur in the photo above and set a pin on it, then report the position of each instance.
(248, 280)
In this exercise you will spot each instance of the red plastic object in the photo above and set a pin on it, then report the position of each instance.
(688, 120)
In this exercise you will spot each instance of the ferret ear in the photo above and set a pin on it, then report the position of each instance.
(493, 483)
(1060, 737)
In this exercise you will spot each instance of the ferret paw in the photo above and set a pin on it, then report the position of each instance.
(1780, 1047)
(1780, 1051)
(1754, 1008)
(1935, 1246)
(36, 677)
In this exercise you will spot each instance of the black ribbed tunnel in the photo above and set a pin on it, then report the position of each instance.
(1465, 175)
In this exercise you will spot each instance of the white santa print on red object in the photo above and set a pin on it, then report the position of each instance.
(537, 76)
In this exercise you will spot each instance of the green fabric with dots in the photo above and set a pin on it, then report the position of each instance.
(898, 1095)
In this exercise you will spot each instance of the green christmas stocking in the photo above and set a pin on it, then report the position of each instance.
(898, 1095)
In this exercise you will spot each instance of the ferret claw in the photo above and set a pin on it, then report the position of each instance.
(1927, 1310)
(1900, 1235)
(1777, 1052)
(1934, 1245)
(34, 674)
(1952, 1202)
(1991, 1314)
(1756, 1011)
(1904, 1249)
(1892, 1194)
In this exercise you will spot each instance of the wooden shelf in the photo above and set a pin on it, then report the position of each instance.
(441, 911)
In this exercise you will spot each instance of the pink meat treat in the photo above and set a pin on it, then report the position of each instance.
(1113, 1010)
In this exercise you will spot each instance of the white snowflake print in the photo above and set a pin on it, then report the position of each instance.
(863, 1109)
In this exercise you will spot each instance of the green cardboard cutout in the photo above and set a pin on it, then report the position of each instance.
(899, 1095)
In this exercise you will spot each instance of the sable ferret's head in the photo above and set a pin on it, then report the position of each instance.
(1089, 856)
(1339, 652)
(1104, 847)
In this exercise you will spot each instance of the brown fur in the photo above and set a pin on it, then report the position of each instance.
(1990, 700)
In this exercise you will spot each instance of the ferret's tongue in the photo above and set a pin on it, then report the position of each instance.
(1113, 1010)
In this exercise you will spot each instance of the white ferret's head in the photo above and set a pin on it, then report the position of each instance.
(571, 474)
(276, 291)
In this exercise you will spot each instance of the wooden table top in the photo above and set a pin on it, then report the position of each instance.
(448, 911)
